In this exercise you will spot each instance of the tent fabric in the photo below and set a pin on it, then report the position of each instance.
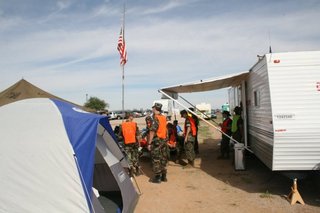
(36, 160)
(208, 84)
(106, 136)
(48, 157)
(107, 127)
(23, 90)
(81, 127)
(103, 183)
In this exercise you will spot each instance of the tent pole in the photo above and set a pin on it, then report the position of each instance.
(84, 184)
(174, 111)
(136, 183)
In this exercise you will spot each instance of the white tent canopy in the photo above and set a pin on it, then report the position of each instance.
(207, 84)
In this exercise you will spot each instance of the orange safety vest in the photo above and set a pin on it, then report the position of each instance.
(225, 124)
(193, 126)
(172, 140)
(129, 132)
(162, 129)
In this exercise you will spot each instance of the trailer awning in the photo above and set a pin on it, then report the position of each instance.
(207, 85)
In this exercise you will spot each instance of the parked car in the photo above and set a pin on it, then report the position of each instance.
(147, 112)
(213, 115)
(121, 115)
(210, 116)
(137, 114)
(112, 115)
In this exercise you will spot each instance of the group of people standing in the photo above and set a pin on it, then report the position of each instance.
(230, 128)
(161, 136)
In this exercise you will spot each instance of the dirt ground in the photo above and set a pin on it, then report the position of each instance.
(215, 186)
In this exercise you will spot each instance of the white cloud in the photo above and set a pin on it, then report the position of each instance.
(167, 6)
(63, 4)
(9, 23)
(54, 45)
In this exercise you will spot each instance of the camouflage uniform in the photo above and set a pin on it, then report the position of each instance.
(189, 144)
(159, 150)
(196, 119)
(131, 151)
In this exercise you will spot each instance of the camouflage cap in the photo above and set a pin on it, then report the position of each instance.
(237, 110)
(182, 112)
(227, 113)
(157, 106)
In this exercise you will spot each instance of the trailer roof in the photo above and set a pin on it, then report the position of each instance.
(207, 84)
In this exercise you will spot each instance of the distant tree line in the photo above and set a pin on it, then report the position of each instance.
(96, 104)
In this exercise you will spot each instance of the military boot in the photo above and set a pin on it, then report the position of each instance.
(178, 159)
(138, 171)
(156, 179)
(191, 162)
(131, 171)
(164, 177)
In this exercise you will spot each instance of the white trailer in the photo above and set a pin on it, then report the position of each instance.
(280, 97)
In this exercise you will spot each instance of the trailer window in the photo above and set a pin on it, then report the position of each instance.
(256, 95)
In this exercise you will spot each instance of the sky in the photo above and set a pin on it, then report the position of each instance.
(69, 47)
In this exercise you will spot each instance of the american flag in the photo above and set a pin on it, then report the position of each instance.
(122, 48)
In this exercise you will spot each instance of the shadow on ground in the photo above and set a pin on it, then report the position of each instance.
(256, 178)
(145, 163)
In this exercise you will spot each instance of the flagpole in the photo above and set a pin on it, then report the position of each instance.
(123, 93)
(123, 25)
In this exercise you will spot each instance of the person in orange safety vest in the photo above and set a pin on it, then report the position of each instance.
(190, 133)
(172, 136)
(225, 141)
(129, 132)
(157, 138)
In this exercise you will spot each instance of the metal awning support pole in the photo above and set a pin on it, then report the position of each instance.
(174, 111)
(207, 122)
(197, 108)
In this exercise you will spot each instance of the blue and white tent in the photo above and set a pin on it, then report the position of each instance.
(52, 154)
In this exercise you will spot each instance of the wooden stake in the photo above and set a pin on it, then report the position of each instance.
(294, 196)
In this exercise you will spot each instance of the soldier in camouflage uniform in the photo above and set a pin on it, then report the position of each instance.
(157, 144)
(196, 119)
(190, 132)
(129, 131)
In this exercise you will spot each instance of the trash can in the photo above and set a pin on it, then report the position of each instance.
(239, 163)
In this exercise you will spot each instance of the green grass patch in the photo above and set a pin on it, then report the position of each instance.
(247, 180)
(266, 195)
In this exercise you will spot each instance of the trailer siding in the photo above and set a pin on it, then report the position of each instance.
(295, 97)
(260, 129)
